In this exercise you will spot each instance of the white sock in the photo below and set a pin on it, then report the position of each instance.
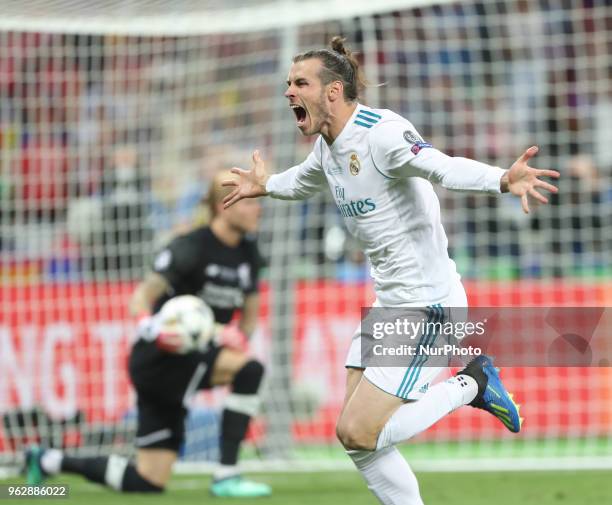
(225, 471)
(388, 476)
(415, 417)
(51, 461)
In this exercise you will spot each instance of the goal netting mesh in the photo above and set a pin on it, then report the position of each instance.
(115, 115)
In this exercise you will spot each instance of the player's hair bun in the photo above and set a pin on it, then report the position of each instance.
(337, 45)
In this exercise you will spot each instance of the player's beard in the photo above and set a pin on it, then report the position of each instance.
(319, 116)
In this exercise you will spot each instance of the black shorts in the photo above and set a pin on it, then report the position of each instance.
(165, 383)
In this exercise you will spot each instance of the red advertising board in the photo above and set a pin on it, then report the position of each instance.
(63, 348)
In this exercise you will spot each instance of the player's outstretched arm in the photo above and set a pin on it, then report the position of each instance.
(249, 184)
(146, 293)
(522, 180)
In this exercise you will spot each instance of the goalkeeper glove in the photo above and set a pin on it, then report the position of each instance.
(167, 337)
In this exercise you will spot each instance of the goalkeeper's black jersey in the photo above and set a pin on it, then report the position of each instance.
(198, 263)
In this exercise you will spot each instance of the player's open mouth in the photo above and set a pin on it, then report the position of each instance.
(300, 114)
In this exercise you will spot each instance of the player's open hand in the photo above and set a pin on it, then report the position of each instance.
(522, 180)
(249, 184)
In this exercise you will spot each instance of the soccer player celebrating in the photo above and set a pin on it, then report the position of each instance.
(220, 264)
(380, 172)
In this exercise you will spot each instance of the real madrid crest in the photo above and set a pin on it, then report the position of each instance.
(354, 165)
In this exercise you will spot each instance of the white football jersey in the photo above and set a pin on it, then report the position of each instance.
(379, 171)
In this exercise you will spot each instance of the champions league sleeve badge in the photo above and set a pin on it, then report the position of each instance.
(411, 137)
(416, 141)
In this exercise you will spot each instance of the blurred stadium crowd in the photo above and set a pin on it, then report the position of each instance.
(107, 142)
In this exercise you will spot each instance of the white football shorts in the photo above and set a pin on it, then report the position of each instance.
(412, 381)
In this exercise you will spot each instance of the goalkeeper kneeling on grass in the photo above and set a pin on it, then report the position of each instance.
(220, 264)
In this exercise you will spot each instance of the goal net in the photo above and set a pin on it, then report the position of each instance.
(114, 117)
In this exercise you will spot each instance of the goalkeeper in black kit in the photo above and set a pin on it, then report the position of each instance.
(220, 264)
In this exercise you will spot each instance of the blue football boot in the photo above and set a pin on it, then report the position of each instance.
(492, 395)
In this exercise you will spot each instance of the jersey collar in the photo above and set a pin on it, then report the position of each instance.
(347, 127)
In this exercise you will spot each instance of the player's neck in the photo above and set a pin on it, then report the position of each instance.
(338, 119)
(225, 233)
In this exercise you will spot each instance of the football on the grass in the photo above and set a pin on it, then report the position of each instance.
(190, 317)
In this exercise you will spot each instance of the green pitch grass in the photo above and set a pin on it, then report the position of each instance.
(336, 488)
